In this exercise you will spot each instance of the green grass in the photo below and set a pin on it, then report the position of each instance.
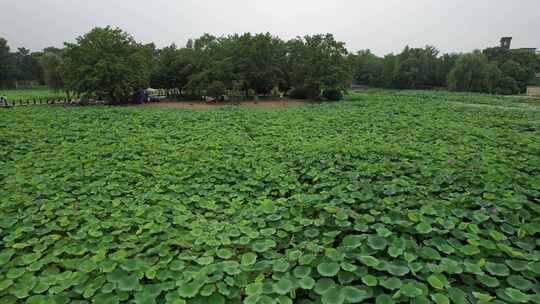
(28, 94)
(388, 197)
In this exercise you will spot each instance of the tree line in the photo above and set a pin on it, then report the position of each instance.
(494, 70)
(110, 64)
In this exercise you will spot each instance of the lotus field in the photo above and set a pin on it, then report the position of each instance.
(388, 197)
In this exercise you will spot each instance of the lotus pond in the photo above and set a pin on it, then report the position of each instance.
(389, 197)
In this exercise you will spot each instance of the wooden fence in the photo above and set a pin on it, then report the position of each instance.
(5, 103)
(153, 96)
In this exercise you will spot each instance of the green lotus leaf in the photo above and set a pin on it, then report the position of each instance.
(410, 290)
(128, 283)
(284, 300)
(458, 296)
(207, 260)
(224, 253)
(14, 273)
(188, 290)
(248, 259)
(482, 296)
(353, 294)
(29, 258)
(311, 233)
(39, 299)
(473, 268)
(4, 284)
(208, 290)
(280, 265)
(333, 296)
(424, 228)
(384, 299)
(429, 253)
(353, 241)
(254, 289)
(496, 235)
(283, 286)
(450, 266)
(323, 285)
(306, 259)
(469, 249)
(519, 282)
(517, 265)
(263, 246)
(369, 260)
(328, 269)
(384, 232)
(480, 217)
(177, 265)
(306, 283)
(437, 281)
(231, 267)
(440, 298)
(376, 242)
(107, 266)
(488, 281)
(497, 269)
(40, 287)
(517, 295)
(348, 267)
(534, 267)
(302, 271)
(391, 283)
(174, 298)
(370, 280)
(213, 299)
(397, 269)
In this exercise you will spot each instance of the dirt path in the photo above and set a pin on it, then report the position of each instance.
(213, 105)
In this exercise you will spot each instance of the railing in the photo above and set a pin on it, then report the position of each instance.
(153, 96)
(5, 103)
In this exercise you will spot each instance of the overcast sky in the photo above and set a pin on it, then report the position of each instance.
(381, 25)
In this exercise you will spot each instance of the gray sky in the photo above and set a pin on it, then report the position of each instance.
(381, 25)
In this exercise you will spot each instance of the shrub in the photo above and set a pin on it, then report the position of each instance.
(507, 86)
(304, 93)
(333, 95)
(216, 89)
(275, 92)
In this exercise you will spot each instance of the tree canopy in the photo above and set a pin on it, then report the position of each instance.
(106, 63)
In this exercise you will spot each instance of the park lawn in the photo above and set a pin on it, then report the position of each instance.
(29, 94)
(386, 197)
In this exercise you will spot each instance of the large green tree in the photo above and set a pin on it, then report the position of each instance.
(366, 67)
(106, 63)
(28, 67)
(469, 73)
(319, 61)
(51, 64)
(7, 65)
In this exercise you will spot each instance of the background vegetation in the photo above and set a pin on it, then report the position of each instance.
(493, 70)
(109, 64)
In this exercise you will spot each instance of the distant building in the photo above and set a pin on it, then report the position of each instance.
(506, 42)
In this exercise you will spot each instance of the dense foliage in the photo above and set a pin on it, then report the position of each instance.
(495, 70)
(394, 197)
(108, 64)
(18, 68)
(257, 63)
